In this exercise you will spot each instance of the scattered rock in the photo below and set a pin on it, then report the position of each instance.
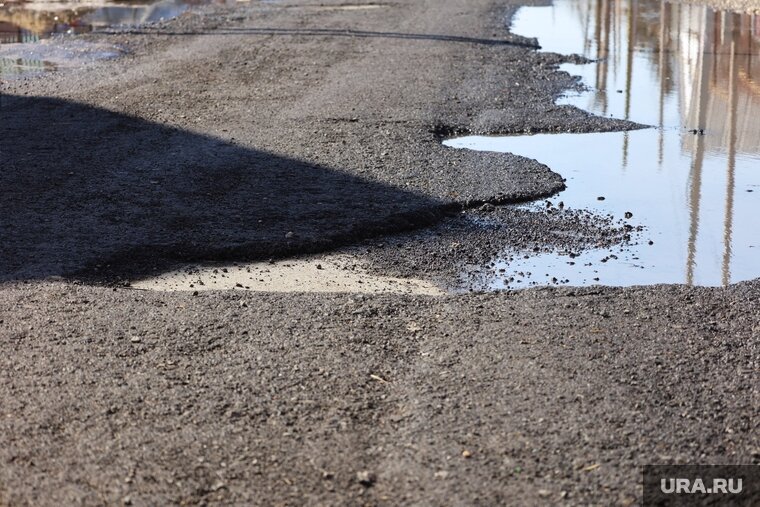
(413, 327)
(366, 478)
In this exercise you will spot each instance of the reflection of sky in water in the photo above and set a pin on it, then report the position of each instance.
(690, 68)
(25, 22)
(30, 22)
(683, 62)
(10, 66)
(657, 195)
(130, 15)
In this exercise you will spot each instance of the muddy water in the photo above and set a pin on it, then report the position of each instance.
(694, 181)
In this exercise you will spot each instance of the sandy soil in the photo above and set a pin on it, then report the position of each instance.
(266, 130)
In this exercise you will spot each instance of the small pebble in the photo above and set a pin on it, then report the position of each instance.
(365, 478)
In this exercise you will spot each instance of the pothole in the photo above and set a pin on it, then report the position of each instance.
(18, 66)
(693, 182)
(24, 24)
(47, 56)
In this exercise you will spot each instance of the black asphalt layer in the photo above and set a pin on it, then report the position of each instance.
(270, 129)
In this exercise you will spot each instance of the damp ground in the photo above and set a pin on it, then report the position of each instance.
(330, 274)
(428, 261)
(692, 182)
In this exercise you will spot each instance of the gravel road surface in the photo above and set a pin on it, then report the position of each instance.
(269, 129)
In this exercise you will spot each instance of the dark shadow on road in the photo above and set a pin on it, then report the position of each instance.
(98, 195)
(320, 32)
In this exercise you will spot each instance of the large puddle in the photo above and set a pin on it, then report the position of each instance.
(29, 22)
(693, 182)
(22, 21)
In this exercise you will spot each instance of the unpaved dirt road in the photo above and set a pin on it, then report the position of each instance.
(269, 129)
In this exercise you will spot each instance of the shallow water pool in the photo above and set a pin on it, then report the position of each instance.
(693, 181)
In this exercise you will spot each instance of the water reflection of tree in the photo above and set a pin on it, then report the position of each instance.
(24, 22)
(22, 25)
(682, 44)
(23, 66)
(703, 60)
